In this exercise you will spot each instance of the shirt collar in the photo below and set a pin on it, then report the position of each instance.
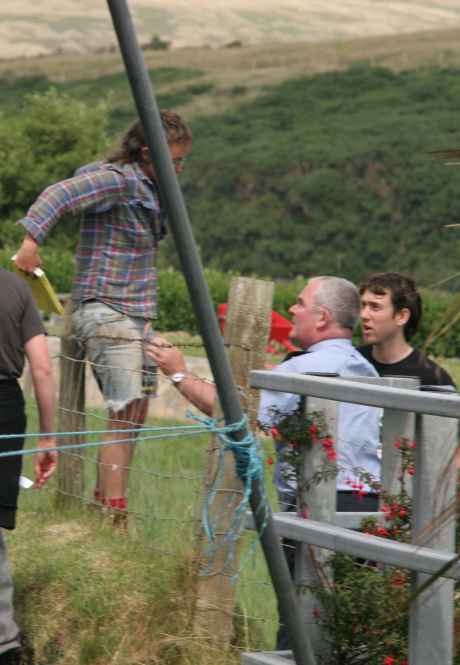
(140, 173)
(337, 342)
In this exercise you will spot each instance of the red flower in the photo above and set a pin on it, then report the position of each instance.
(331, 455)
(398, 443)
(270, 460)
(411, 445)
(274, 432)
(389, 660)
(327, 443)
(304, 514)
(411, 470)
(398, 580)
(403, 512)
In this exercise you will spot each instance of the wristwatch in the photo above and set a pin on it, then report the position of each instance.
(177, 377)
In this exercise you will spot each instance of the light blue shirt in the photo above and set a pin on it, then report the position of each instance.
(358, 427)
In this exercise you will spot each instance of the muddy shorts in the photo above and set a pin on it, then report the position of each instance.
(113, 343)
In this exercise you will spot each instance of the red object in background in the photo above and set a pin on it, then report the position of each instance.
(279, 330)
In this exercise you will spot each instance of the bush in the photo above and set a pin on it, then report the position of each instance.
(175, 310)
(46, 142)
(439, 334)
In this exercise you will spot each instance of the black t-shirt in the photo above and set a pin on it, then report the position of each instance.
(416, 364)
(20, 321)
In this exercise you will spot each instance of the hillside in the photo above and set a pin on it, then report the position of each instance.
(222, 71)
(29, 28)
(301, 163)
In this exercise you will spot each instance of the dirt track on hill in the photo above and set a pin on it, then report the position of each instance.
(31, 27)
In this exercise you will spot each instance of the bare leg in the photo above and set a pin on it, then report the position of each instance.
(115, 460)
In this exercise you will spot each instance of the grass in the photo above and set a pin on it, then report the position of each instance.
(111, 599)
(88, 595)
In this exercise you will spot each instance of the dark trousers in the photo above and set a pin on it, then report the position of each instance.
(347, 502)
(12, 421)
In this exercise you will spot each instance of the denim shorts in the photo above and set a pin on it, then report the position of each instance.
(113, 343)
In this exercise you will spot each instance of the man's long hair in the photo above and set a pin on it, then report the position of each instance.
(133, 140)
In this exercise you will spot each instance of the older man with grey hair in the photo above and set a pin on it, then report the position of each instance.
(324, 318)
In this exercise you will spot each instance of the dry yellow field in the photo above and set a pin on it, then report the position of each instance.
(33, 27)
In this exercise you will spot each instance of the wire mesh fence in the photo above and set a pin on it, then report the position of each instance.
(166, 493)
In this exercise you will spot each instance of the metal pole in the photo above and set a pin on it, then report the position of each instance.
(191, 266)
(431, 618)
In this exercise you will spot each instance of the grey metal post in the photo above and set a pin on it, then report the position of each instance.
(199, 294)
(311, 568)
(431, 614)
(396, 424)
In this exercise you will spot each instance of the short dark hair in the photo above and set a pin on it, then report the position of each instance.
(133, 140)
(403, 292)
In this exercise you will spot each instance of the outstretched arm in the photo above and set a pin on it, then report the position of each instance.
(71, 195)
(200, 392)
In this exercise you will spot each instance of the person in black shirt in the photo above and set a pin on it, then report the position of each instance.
(22, 336)
(391, 309)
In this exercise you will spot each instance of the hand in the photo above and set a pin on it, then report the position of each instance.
(45, 460)
(28, 258)
(168, 357)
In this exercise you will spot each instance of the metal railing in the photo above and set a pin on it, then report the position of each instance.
(431, 420)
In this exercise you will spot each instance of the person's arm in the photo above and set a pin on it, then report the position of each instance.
(71, 195)
(200, 392)
(41, 370)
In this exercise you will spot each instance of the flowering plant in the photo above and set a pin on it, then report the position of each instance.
(397, 508)
(366, 612)
(300, 432)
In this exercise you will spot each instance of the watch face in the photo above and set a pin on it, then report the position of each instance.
(177, 377)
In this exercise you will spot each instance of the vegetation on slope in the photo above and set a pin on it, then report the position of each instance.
(325, 173)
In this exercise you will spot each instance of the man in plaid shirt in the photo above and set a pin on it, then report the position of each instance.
(114, 290)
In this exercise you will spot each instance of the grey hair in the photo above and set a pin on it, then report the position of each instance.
(340, 297)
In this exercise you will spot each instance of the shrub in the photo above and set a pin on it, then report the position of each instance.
(175, 310)
(46, 142)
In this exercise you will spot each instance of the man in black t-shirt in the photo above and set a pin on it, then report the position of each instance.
(391, 309)
(21, 335)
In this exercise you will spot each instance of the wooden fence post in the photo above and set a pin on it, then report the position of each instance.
(71, 481)
(246, 332)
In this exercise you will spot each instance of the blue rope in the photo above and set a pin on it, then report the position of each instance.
(162, 433)
(249, 467)
(248, 460)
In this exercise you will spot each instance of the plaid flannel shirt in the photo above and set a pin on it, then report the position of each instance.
(121, 224)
